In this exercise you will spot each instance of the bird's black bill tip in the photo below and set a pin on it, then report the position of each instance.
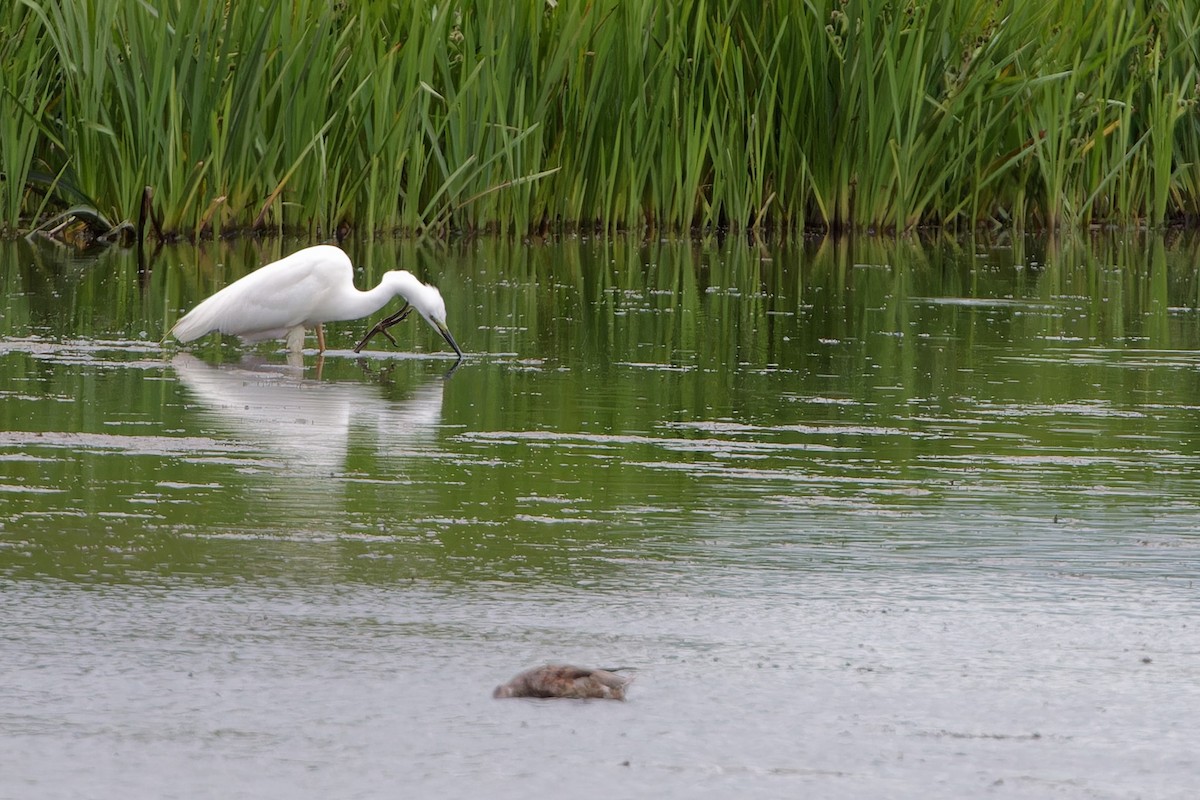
(445, 332)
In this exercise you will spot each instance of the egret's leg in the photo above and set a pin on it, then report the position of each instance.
(295, 339)
(320, 338)
(383, 325)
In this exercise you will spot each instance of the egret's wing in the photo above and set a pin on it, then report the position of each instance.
(273, 298)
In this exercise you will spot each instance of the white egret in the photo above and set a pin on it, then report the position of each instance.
(311, 286)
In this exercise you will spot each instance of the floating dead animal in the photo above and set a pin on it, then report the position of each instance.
(562, 680)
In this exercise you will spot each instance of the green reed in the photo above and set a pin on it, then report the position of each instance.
(700, 114)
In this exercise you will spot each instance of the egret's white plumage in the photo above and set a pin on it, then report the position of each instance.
(300, 291)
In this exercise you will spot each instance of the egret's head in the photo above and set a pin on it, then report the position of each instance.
(424, 297)
(428, 302)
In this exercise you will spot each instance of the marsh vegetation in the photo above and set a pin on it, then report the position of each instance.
(461, 116)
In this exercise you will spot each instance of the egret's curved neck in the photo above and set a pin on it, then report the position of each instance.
(356, 304)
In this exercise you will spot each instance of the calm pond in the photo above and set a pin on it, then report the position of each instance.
(865, 518)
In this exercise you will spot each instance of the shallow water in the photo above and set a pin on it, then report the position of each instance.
(865, 519)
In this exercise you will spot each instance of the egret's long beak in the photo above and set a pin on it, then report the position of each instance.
(445, 332)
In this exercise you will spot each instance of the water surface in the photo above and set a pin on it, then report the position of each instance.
(866, 519)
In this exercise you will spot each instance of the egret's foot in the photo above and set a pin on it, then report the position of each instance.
(382, 327)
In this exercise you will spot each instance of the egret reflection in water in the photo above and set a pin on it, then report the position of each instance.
(308, 424)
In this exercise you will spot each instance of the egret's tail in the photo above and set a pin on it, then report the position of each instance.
(186, 329)
(194, 324)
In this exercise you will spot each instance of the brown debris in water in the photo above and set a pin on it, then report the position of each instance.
(564, 680)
